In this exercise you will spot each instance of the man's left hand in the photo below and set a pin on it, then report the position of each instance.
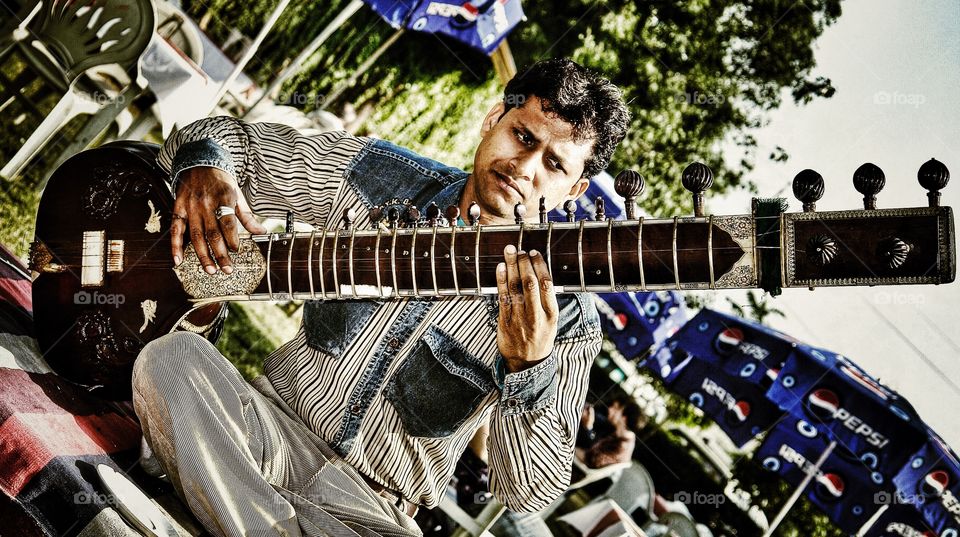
(527, 325)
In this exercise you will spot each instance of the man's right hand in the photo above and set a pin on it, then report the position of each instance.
(200, 191)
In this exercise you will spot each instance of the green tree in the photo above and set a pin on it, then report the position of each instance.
(756, 308)
(696, 73)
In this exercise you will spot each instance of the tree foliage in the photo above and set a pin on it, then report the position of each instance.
(696, 73)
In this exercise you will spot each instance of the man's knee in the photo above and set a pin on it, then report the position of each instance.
(167, 359)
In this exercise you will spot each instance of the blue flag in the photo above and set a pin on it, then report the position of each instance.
(901, 520)
(480, 24)
(930, 481)
(394, 12)
(843, 488)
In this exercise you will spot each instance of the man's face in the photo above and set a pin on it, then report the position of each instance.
(524, 155)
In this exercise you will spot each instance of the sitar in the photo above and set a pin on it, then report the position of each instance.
(105, 283)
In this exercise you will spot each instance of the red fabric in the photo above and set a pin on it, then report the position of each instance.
(14, 288)
(36, 427)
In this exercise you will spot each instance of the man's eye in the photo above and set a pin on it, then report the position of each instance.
(522, 136)
(555, 164)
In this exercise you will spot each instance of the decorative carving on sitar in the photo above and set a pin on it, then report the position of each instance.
(249, 267)
(41, 259)
(106, 192)
(742, 229)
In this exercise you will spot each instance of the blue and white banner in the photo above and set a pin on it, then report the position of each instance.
(930, 481)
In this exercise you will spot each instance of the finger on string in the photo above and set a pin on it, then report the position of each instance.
(215, 240)
(199, 241)
(548, 295)
(502, 291)
(513, 274)
(246, 217)
(531, 295)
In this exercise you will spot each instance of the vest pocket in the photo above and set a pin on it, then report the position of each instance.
(332, 326)
(438, 386)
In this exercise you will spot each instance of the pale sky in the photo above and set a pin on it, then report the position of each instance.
(896, 67)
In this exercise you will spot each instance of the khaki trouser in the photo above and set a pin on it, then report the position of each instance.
(240, 458)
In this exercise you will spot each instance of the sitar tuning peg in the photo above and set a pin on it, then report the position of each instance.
(933, 176)
(543, 209)
(393, 216)
(601, 215)
(412, 216)
(474, 213)
(349, 214)
(629, 184)
(375, 215)
(519, 211)
(697, 177)
(570, 207)
(808, 188)
(869, 181)
(433, 213)
(453, 215)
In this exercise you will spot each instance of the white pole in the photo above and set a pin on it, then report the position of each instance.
(873, 520)
(298, 62)
(811, 473)
(247, 56)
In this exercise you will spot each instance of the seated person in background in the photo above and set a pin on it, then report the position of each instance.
(609, 438)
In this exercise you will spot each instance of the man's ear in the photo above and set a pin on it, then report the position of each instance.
(578, 188)
(493, 117)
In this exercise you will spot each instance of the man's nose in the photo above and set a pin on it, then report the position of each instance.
(524, 166)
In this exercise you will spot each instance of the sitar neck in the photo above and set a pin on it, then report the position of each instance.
(866, 247)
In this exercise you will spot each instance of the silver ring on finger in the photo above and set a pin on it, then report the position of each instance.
(222, 211)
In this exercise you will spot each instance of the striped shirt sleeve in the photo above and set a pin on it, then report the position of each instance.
(531, 450)
(278, 168)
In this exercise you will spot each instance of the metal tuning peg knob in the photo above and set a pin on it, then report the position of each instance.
(869, 181)
(453, 215)
(543, 209)
(433, 213)
(894, 251)
(933, 176)
(412, 215)
(349, 214)
(601, 215)
(519, 211)
(375, 215)
(289, 226)
(808, 188)
(570, 207)
(474, 213)
(393, 216)
(697, 178)
(629, 184)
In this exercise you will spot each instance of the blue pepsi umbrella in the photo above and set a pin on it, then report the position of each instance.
(740, 348)
(902, 520)
(930, 481)
(479, 24)
(843, 487)
(838, 398)
(637, 321)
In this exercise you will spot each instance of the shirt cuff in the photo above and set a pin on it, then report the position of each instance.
(197, 153)
(527, 390)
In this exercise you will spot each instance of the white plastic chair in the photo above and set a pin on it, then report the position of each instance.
(63, 40)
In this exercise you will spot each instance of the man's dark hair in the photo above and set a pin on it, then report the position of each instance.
(633, 414)
(590, 103)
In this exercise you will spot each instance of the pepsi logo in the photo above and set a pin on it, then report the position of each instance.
(740, 411)
(772, 464)
(652, 308)
(620, 321)
(806, 429)
(823, 403)
(728, 340)
(935, 483)
(830, 486)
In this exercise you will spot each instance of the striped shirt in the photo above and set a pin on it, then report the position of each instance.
(530, 447)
